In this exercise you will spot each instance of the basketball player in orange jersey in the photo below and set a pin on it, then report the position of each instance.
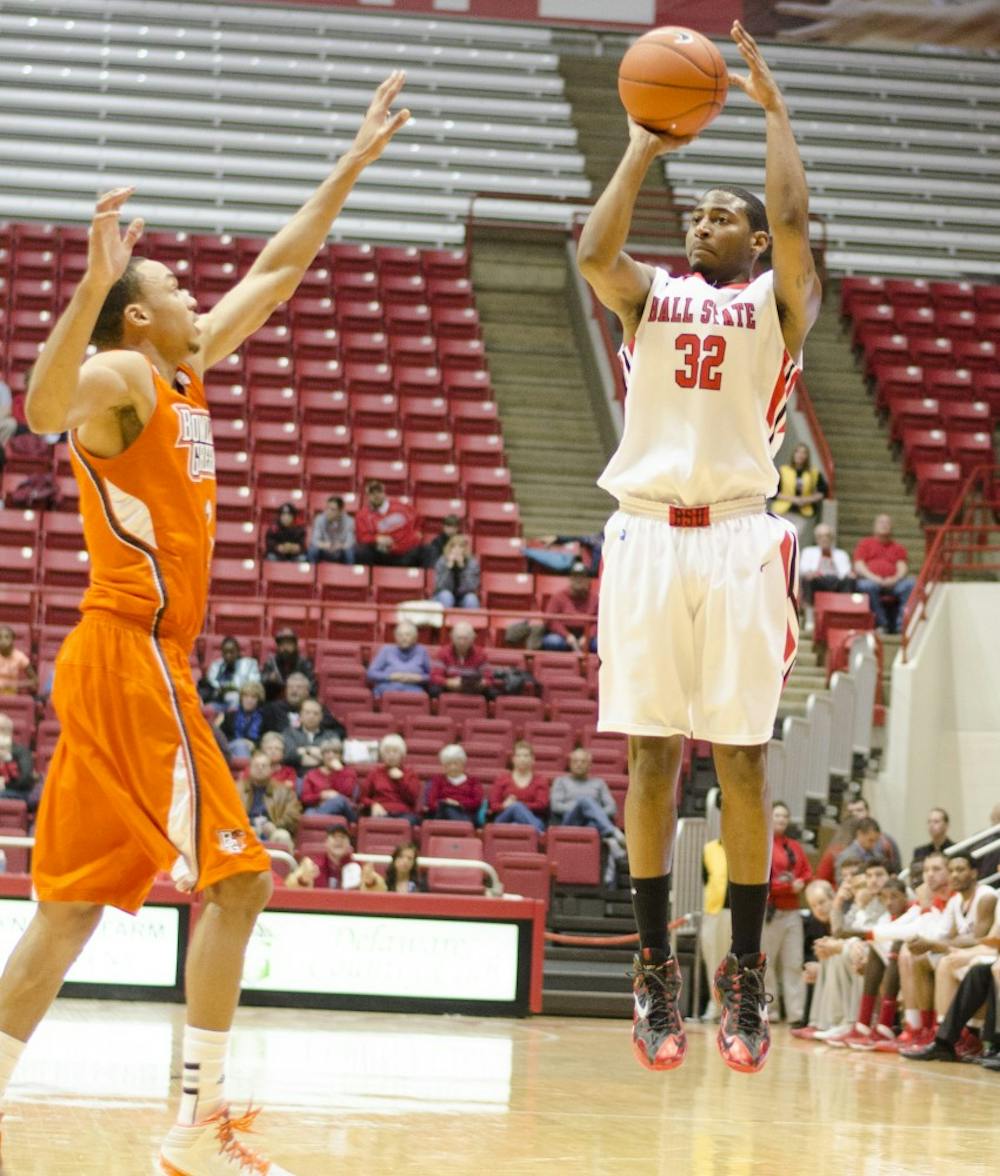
(698, 625)
(137, 784)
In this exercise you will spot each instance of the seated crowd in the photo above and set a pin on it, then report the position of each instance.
(880, 960)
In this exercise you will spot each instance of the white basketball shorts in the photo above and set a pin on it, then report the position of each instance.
(698, 626)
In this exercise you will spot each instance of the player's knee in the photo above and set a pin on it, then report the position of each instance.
(653, 764)
(71, 922)
(242, 894)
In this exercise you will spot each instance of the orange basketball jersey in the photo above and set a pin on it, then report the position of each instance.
(149, 516)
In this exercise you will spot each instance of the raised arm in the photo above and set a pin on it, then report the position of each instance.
(64, 392)
(277, 272)
(786, 196)
(847, 22)
(621, 283)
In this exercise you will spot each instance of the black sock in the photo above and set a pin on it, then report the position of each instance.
(650, 902)
(749, 905)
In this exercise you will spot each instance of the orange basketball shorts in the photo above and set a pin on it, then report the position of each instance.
(137, 785)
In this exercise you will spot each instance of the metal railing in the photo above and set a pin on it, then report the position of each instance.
(967, 544)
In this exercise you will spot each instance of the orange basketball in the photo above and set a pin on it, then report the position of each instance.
(673, 79)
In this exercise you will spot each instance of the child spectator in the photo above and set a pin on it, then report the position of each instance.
(452, 795)
(404, 665)
(330, 787)
(401, 877)
(16, 671)
(391, 789)
(456, 575)
(286, 539)
(332, 536)
(273, 809)
(520, 796)
(244, 726)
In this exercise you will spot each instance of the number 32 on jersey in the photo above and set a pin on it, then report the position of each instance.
(701, 361)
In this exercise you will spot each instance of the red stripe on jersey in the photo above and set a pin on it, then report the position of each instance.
(779, 392)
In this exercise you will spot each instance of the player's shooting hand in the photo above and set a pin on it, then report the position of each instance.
(108, 250)
(380, 124)
(760, 85)
(654, 143)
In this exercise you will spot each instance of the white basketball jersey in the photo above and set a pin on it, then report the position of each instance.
(707, 380)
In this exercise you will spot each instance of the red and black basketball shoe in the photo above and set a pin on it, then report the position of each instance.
(658, 1037)
(744, 1032)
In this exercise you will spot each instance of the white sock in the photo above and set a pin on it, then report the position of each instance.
(201, 1082)
(913, 1018)
(10, 1053)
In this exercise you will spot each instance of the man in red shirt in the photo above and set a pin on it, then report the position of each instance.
(881, 568)
(387, 531)
(784, 932)
(459, 667)
(579, 606)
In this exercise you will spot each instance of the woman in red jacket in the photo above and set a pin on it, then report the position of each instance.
(520, 796)
(784, 934)
(452, 795)
(391, 789)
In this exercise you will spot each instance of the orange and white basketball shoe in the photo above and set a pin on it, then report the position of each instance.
(210, 1148)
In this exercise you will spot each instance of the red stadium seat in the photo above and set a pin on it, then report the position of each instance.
(404, 318)
(462, 706)
(498, 839)
(575, 853)
(413, 350)
(383, 444)
(519, 708)
(332, 475)
(232, 468)
(268, 371)
(367, 378)
(958, 324)
(291, 581)
(462, 353)
(908, 291)
(441, 879)
(474, 416)
(483, 449)
(899, 380)
(398, 259)
(432, 827)
(918, 321)
(270, 436)
(506, 590)
(864, 291)
(526, 874)
(556, 731)
(841, 610)
(462, 384)
(234, 577)
(226, 618)
(58, 610)
(433, 511)
(970, 449)
(317, 343)
(231, 434)
(360, 315)
(428, 447)
(934, 351)
(62, 569)
(490, 485)
(950, 384)
(356, 623)
(392, 585)
(455, 322)
(403, 703)
(499, 554)
(441, 728)
(374, 410)
(424, 413)
(320, 442)
(494, 518)
(343, 582)
(980, 354)
(885, 348)
(405, 288)
(226, 398)
(580, 713)
(323, 407)
(921, 445)
(938, 486)
(975, 415)
(234, 503)
(370, 724)
(19, 528)
(953, 295)
(236, 540)
(394, 475)
(436, 480)
(418, 381)
(278, 471)
(913, 414)
(355, 284)
(476, 731)
(282, 613)
(383, 834)
(878, 318)
(319, 375)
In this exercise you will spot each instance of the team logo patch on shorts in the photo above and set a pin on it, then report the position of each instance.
(232, 840)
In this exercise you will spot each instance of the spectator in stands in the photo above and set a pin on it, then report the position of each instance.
(273, 809)
(284, 712)
(244, 726)
(401, 876)
(302, 743)
(272, 744)
(405, 665)
(387, 531)
(371, 881)
(880, 565)
(870, 842)
(459, 667)
(332, 536)
(823, 567)
(450, 526)
(716, 931)
(783, 941)
(520, 796)
(801, 489)
(334, 869)
(391, 789)
(452, 795)
(581, 799)
(286, 539)
(227, 675)
(17, 775)
(578, 604)
(855, 809)
(16, 671)
(937, 830)
(816, 926)
(989, 863)
(456, 575)
(558, 553)
(8, 422)
(331, 787)
(285, 661)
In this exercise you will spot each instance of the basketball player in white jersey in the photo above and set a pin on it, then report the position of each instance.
(697, 612)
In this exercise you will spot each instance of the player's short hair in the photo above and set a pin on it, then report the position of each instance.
(966, 857)
(877, 863)
(944, 813)
(896, 884)
(868, 825)
(108, 329)
(756, 212)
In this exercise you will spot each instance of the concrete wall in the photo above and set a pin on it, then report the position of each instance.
(944, 722)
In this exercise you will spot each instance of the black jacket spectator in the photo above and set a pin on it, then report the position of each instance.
(286, 539)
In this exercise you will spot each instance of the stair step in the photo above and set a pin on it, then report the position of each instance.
(558, 1002)
(585, 976)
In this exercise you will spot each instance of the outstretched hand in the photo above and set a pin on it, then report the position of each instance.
(840, 21)
(760, 85)
(655, 143)
(108, 251)
(380, 124)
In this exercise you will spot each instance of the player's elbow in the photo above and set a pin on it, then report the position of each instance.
(42, 418)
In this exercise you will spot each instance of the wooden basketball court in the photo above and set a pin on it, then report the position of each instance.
(353, 1093)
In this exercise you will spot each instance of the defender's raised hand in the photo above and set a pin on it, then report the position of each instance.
(760, 85)
(380, 124)
(108, 250)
